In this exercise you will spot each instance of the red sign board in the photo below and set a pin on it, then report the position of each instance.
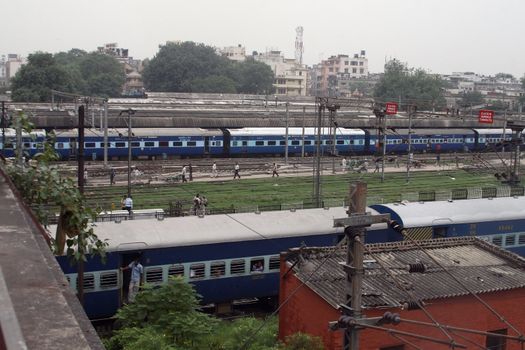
(486, 116)
(391, 108)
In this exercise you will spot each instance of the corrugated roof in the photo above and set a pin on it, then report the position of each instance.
(481, 266)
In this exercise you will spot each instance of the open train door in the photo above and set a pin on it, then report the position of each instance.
(125, 276)
(226, 141)
(206, 145)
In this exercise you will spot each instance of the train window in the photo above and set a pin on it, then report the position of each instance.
(217, 269)
(177, 143)
(307, 142)
(59, 145)
(176, 270)
(120, 144)
(271, 143)
(497, 240)
(282, 143)
(274, 263)
(510, 240)
(521, 239)
(296, 143)
(191, 143)
(135, 144)
(328, 142)
(196, 271)
(90, 144)
(108, 280)
(89, 282)
(154, 274)
(340, 142)
(237, 267)
(259, 143)
(351, 142)
(234, 143)
(245, 143)
(102, 144)
(164, 144)
(27, 145)
(257, 265)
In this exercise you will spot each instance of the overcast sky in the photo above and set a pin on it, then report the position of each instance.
(442, 36)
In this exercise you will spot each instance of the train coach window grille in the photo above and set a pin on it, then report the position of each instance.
(237, 267)
(521, 239)
(257, 265)
(27, 145)
(135, 144)
(307, 143)
(149, 144)
(217, 269)
(510, 240)
(340, 142)
(108, 280)
(154, 274)
(176, 270)
(296, 143)
(259, 143)
(272, 143)
(89, 282)
(196, 271)
(497, 240)
(59, 145)
(164, 144)
(177, 143)
(191, 143)
(90, 144)
(245, 143)
(282, 143)
(120, 144)
(274, 263)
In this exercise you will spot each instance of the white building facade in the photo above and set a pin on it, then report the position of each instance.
(290, 76)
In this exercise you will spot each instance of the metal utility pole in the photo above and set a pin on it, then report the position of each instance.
(355, 225)
(105, 133)
(317, 183)
(333, 128)
(410, 157)
(286, 137)
(130, 112)
(80, 149)
(302, 143)
(4, 122)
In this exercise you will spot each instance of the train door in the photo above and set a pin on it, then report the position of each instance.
(125, 276)
(206, 144)
(226, 142)
(72, 148)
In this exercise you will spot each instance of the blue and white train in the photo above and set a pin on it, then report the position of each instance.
(218, 253)
(183, 142)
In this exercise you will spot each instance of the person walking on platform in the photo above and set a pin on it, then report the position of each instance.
(274, 170)
(214, 170)
(236, 170)
(128, 204)
(112, 176)
(343, 165)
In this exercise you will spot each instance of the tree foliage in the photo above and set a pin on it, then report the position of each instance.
(42, 187)
(191, 67)
(471, 98)
(413, 86)
(75, 71)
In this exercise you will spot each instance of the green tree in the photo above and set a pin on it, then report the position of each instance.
(254, 77)
(471, 98)
(214, 83)
(414, 86)
(103, 74)
(35, 80)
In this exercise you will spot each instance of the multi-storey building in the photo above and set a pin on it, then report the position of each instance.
(133, 86)
(234, 53)
(330, 74)
(290, 76)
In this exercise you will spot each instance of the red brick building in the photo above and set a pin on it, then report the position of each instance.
(314, 282)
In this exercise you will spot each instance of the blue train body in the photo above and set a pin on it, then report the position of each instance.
(166, 143)
(217, 253)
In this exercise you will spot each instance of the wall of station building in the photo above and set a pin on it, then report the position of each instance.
(307, 312)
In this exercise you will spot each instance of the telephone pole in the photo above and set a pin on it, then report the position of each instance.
(355, 225)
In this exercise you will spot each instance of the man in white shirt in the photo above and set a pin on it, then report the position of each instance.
(128, 204)
(214, 170)
(136, 279)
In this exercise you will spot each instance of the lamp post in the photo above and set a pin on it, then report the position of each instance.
(130, 112)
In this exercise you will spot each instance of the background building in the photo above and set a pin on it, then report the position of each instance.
(290, 76)
(234, 53)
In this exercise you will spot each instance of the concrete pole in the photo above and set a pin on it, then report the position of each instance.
(409, 155)
(302, 150)
(105, 133)
(354, 259)
(318, 158)
(384, 153)
(286, 137)
(129, 152)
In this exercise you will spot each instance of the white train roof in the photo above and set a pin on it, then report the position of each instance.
(10, 132)
(192, 230)
(292, 131)
(420, 214)
(498, 132)
(142, 132)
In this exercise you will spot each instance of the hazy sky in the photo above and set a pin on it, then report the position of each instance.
(442, 36)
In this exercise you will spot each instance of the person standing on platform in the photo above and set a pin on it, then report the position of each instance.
(128, 204)
(236, 170)
(112, 176)
(343, 165)
(214, 170)
(183, 174)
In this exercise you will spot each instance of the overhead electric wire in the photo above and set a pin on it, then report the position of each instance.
(406, 341)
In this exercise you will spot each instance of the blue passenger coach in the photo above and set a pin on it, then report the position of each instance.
(216, 253)
(500, 221)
